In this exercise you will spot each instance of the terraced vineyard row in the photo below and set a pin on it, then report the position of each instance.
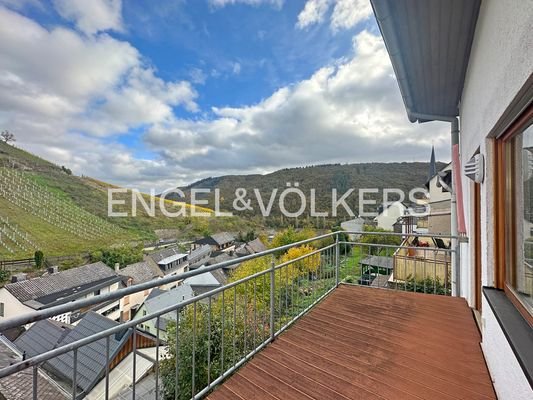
(13, 238)
(19, 189)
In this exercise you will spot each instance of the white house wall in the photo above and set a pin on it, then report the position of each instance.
(507, 375)
(12, 307)
(499, 66)
(500, 63)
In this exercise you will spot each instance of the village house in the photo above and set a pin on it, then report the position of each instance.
(159, 300)
(440, 202)
(222, 241)
(46, 335)
(20, 385)
(59, 287)
(171, 261)
(134, 274)
(199, 256)
(389, 214)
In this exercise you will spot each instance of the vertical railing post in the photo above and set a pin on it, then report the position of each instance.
(337, 260)
(457, 276)
(272, 300)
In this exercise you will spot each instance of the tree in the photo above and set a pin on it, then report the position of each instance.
(39, 259)
(372, 236)
(123, 255)
(289, 236)
(344, 248)
(306, 265)
(4, 275)
(7, 137)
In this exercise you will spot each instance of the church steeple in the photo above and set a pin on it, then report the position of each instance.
(432, 164)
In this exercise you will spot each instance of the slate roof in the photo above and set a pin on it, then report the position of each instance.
(19, 386)
(172, 258)
(155, 292)
(92, 357)
(160, 255)
(43, 336)
(256, 246)
(252, 247)
(141, 272)
(199, 253)
(206, 279)
(166, 299)
(222, 256)
(206, 240)
(61, 284)
(223, 238)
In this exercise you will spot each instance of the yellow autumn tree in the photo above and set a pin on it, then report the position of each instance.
(304, 264)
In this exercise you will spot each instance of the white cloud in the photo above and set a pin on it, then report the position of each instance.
(66, 96)
(236, 68)
(348, 112)
(197, 76)
(59, 88)
(223, 3)
(346, 14)
(314, 12)
(60, 73)
(92, 16)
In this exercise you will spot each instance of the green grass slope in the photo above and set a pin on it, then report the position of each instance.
(43, 206)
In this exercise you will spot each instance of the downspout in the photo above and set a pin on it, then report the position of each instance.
(383, 14)
(457, 224)
(456, 272)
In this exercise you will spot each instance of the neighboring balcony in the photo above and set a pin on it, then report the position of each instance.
(325, 318)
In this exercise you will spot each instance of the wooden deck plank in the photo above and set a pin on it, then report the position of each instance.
(369, 343)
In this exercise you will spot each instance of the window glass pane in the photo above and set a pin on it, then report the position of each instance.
(522, 280)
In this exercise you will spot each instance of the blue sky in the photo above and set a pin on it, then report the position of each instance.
(144, 93)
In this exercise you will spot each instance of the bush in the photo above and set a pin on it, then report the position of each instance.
(350, 279)
(4, 275)
(372, 236)
(122, 255)
(39, 259)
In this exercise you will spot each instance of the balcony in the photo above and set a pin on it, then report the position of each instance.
(304, 320)
(363, 342)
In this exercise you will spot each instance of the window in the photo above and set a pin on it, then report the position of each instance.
(518, 203)
(1, 309)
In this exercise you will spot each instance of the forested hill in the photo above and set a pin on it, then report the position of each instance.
(323, 178)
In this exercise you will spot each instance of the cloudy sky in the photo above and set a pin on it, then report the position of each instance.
(157, 94)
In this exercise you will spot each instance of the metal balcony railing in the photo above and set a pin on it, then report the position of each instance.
(201, 341)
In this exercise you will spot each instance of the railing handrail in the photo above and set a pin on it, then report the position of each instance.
(34, 316)
(36, 360)
(276, 264)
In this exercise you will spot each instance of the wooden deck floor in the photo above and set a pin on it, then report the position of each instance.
(367, 343)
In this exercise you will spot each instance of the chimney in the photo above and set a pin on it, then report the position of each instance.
(117, 267)
(18, 277)
(53, 270)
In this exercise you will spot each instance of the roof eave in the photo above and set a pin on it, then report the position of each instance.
(388, 24)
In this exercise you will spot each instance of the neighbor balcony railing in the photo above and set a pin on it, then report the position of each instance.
(205, 339)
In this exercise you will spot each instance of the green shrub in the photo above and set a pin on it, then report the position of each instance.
(39, 259)
(4, 275)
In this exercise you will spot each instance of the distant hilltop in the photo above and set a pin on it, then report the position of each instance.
(323, 178)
